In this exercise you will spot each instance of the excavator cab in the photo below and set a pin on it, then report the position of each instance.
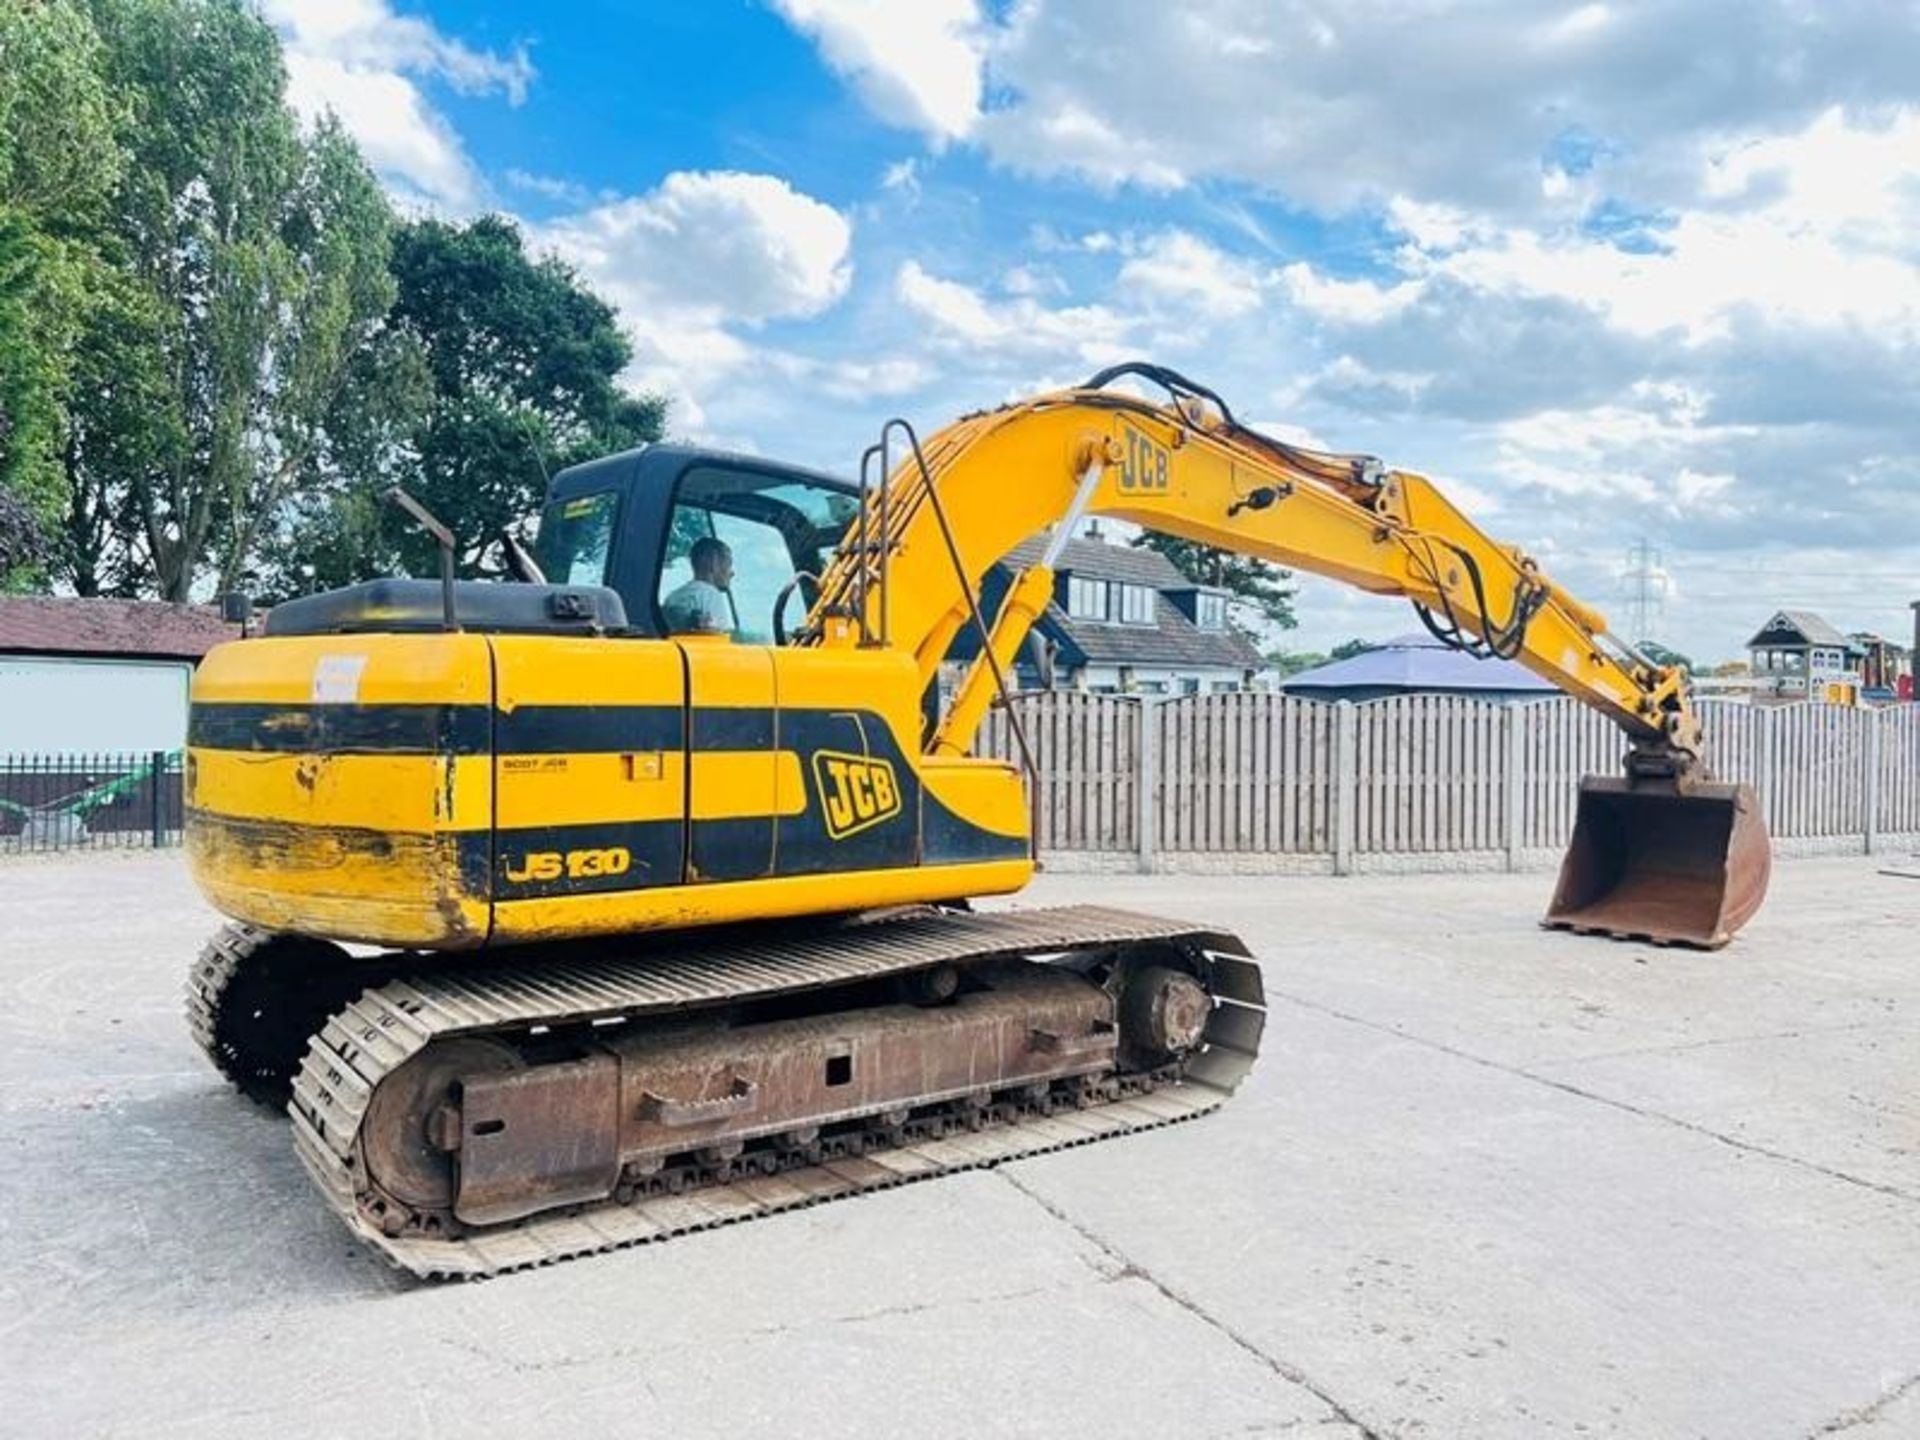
(1661, 860)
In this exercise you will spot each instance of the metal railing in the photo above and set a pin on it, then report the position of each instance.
(90, 802)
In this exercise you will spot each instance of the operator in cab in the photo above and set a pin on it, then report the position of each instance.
(702, 605)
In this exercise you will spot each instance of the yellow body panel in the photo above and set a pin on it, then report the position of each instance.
(537, 790)
(384, 793)
(555, 917)
(327, 789)
(451, 791)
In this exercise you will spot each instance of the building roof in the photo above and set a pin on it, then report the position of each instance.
(1811, 628)
(1419, 662)
(1172, 641)
(1098, 560)
(63, 625)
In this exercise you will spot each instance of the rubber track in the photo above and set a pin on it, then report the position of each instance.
(207, 982)
(391, 1023)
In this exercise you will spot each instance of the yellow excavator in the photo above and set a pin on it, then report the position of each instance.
(663, 853)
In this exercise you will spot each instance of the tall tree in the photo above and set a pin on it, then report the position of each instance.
(1253, 581)
(59, 162)
(522, 363)
(252, 269)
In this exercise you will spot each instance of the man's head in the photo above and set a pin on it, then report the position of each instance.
(712, 562)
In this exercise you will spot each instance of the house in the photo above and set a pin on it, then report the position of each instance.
(87, 677)
(1886, 668)
(1123, 621)
(1798, 655)
(1417, 664)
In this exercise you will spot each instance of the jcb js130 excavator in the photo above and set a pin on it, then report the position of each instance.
(668, 848)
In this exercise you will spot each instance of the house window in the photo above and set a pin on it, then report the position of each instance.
(1086, 599)
(1136, 605)
(1211, 612)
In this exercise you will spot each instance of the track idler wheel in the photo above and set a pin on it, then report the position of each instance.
(410, 1136)
(1163, 1014)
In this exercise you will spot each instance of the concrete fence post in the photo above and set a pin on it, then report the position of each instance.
(1870, 822)
(1515, 720)
(1346, 783)
(1764, 776)
(1146, 784)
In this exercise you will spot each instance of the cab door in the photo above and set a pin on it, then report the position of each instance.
(589, 745)
(734, 759)
(776, 527)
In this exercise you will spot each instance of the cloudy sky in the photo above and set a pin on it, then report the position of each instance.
(1616, 273)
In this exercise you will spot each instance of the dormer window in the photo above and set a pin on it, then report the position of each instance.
(1210, 611)
(1086, 599)
(1136, 605)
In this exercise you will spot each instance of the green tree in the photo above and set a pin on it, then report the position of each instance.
(60, 160)
(251, 270)
(1259, 584)
(1662, 655)
(1347, 649)
(1292, 662)
(525, 362)
(520, 364)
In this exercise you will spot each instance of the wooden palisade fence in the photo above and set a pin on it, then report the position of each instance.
(1249, 780)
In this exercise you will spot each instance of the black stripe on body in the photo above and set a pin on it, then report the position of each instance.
(946, 839)
(734, 849)
(548, 860)
(437, 729)
(366, 729)
(589, 729)
(724, 727)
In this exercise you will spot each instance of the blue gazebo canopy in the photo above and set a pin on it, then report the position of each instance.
(1418, 663)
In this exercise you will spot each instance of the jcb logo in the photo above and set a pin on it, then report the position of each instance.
(1144, 466)
(856, 791)
(573, 864)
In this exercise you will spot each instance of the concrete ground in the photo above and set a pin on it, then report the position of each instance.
(1486, 1182)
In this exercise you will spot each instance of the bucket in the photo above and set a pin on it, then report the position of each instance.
(1653, 861)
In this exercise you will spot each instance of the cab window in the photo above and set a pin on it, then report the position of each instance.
(575, 536)
(735, 541)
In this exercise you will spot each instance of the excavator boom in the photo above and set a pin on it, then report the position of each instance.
(1661, 852)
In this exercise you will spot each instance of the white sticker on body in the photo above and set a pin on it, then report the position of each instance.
(336, 679)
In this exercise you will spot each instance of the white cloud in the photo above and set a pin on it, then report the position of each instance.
(1181, 268)
(917, 63)
(1287, 95)
(549, 187)
(744, 246)
(1017, 334)
(702, 256)
(1348, 301)
(362, 61)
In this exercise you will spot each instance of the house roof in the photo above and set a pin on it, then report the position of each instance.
(1418, 662)
(1098, 560)
(1172, 640)
(1811, 628)
(63, 625)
